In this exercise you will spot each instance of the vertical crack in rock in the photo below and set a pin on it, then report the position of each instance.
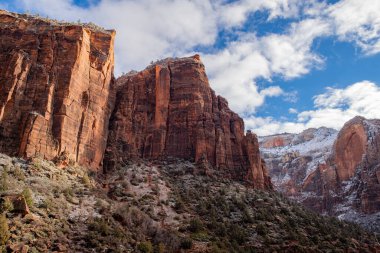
(58, 60)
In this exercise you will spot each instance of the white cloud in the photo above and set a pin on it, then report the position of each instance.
(331, 109)
(236, 13)
(267, 125)
(290, 96)
(290, 54)
(293, 110)
(358, 21)
(233, 71)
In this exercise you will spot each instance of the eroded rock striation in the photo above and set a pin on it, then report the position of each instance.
(335, 173)
(55, 88)
(169, 109)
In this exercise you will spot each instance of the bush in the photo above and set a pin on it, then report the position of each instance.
(261, 229)
(100, 226)
(5, 205)
(4, 180)
(18, 173)
(145, 247)
(186, 243)
(86, 180)
(161, 248)
(195, 226)
(4, 230)
(27, 193)
(68, 193)
(179, 205)
(237, 234)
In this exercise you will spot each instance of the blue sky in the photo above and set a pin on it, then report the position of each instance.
(283, 65)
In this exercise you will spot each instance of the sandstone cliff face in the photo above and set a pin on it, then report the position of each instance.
(349, 148)
(330, 172)
(56, 89)
(169, 109)
(362, 153)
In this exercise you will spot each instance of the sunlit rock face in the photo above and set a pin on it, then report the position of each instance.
(331, 172)
(55, 89)
(169, 110)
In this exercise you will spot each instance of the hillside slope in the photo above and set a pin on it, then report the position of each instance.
(168, 206)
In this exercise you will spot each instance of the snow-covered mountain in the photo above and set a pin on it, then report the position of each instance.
(336, 173)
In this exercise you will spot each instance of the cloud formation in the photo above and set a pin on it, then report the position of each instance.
(331, 109)
(358, 21)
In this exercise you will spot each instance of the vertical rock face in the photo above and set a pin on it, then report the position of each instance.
(169, 109)
(349, 148)
(357, 162)
(55, 88)
(329, 172)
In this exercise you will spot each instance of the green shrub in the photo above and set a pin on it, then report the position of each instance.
(179, 205)
(18, 173)
(86, 180)
(237, 234)
(261, 229)
(4, 230)
(69, 193)
(161, 248)
(195, 225)
(145, 247)
(4, 180)
(27, 193)
(5, 205)
(186, 243)
(100, 226)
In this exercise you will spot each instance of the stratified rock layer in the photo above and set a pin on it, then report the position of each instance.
(55, 89)
(169, 109)
(331, 173)
(357, 161)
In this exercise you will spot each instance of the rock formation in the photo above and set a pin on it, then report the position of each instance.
(57, 95)
(335, 173)
(169, 109)
(55, 88)
(357, 162)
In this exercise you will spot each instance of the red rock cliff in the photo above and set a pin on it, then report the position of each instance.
(55, 88)
(357, 159)
(349, 148)
(331, 172)
(169, 109)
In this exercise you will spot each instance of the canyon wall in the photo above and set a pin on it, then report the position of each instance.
(56, 88)
(169, 110)
(57, 96)
(330, 172)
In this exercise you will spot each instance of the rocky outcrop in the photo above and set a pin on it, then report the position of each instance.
(292, 164)
(169, 109)
(357, 162)
(274, 141)
(349, 148)
(331, 173)
(56, 88)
